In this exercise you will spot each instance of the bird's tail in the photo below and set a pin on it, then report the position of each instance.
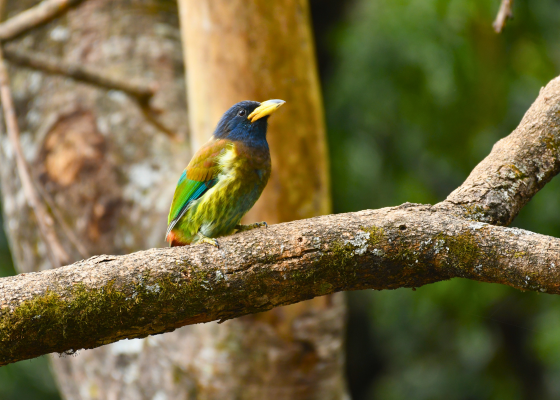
(174, 240)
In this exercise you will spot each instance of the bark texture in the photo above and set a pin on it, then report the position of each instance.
(123, 369)
(108, 298)
(106, 169)
(258, 50)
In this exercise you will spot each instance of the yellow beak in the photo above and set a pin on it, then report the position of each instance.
(265, 109)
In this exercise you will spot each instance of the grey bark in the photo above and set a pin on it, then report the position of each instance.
(32, 17)
(126, 368)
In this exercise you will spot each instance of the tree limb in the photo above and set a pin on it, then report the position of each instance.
(504, 13)
(82, 73)
(45, 12)
(108, 298)
(140, 92)
(36, 16)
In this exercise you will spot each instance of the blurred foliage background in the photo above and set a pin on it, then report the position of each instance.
(416, 93)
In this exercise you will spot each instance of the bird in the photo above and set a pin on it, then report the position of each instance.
(224, 178)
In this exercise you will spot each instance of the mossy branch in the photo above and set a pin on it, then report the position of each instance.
(108, 298)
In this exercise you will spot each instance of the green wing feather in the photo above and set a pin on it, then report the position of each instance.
(199, 176)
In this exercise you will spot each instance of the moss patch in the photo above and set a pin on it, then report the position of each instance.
(464, 252)
(51, 322)
(376, 235)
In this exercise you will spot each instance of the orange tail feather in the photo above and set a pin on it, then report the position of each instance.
(174, 241)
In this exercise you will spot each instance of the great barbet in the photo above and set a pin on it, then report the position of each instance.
(224, 178)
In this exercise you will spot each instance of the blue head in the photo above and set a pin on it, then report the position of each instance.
(247, 122)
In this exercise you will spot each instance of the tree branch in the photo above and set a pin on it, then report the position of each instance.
(140, 92)
(36, 16)
(108, 298)
(504, 13)
(82, 73)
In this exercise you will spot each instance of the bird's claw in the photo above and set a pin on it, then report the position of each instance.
(204, 239)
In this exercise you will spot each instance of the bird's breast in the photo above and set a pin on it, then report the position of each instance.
(246, 164)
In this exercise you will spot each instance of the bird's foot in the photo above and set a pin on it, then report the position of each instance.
(243, 228)
(200, 238)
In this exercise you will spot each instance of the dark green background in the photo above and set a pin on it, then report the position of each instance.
(416, 93)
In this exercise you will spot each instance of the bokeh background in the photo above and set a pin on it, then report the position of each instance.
(416, 93)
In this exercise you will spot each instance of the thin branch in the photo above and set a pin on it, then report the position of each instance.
(108, 298)
(82, 73)
(151, 116)
(140, 92)
(36, 16)
(57, 254)
(504, 14)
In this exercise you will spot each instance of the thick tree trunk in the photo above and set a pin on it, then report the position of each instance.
(237, 50)
(109, 171)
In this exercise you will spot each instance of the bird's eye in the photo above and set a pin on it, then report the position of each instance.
(241, 113)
